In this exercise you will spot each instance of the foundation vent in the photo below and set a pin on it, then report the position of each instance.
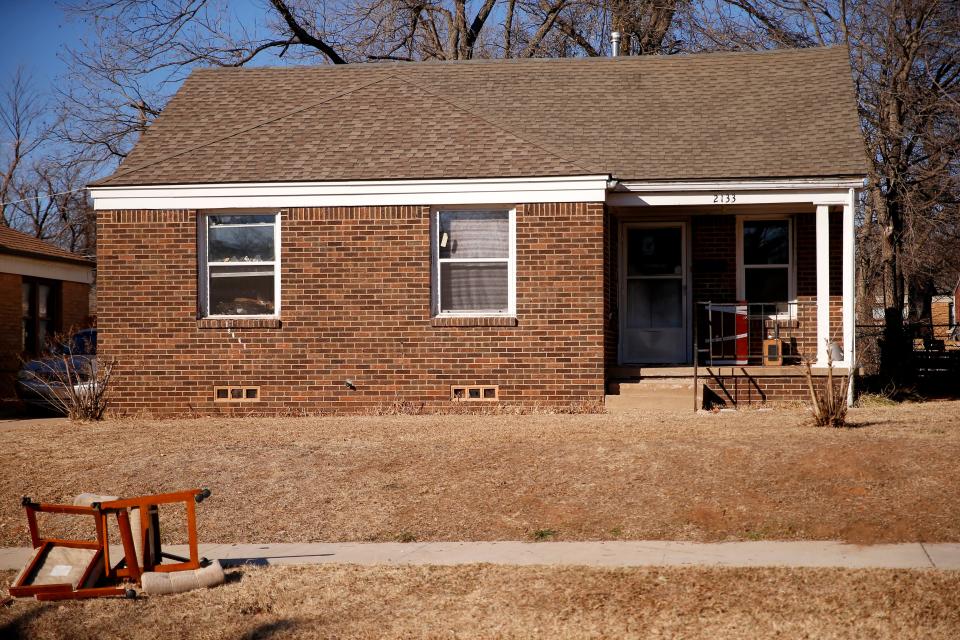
(474, 393)
(236, 394)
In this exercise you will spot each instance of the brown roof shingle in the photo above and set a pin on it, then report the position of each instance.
(17, 243)
(789, 113)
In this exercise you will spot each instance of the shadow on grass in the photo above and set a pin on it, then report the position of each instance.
(18, 627)
(863, 424)
(269, 630)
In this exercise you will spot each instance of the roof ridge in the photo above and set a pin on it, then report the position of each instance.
(207, 143)
(393, 64)
(486, 119)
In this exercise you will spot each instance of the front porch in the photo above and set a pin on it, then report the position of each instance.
(723, 293)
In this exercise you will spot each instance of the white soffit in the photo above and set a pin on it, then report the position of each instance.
(50, 269)
(591, 188)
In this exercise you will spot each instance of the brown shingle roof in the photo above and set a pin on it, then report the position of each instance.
(17, 243)
(789, 113)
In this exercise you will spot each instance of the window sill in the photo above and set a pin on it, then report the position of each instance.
(473, 321)
(239, 323)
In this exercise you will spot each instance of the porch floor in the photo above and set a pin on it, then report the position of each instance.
(687, 371)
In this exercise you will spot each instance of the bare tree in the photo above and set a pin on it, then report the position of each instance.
(51, 204)
(23, 130)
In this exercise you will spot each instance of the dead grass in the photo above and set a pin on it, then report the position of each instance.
(747, 475)
(483, 601)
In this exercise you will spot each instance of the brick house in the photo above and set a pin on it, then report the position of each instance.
(536, 232)
(43, 290)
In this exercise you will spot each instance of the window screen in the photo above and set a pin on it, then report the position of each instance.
(473, 261)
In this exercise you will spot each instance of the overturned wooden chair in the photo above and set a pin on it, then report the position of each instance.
(68, 569)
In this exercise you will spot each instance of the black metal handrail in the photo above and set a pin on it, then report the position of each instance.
(732, 333)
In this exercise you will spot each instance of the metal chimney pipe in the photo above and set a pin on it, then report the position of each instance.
(615, 44)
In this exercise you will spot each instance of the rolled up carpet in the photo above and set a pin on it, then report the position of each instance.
(87, 499)
(155, 583)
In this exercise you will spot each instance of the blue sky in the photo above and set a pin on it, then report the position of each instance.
(32, 33)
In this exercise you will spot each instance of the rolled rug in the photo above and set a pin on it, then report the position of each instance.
(155, 583)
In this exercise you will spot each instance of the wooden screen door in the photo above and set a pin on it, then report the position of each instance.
(653, 285)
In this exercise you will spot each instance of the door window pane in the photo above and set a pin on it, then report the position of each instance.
(766, 242)
(474, 286)
(766, 285)
(653, 252)
(28, 334)
(654, 303)
(474, 234)
(241, 290)
(26, 298)
(43, 301)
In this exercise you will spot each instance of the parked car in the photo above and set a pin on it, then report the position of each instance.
(41, 383)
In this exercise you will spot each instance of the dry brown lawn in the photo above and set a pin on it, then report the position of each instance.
(484, 601)
(746, 475)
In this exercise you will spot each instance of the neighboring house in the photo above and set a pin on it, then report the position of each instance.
(943, 315)
(43, 290)
(342, 238)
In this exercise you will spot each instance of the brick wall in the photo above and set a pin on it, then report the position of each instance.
(744, 390)
(805, 228)
(355, 305)
(74, 306)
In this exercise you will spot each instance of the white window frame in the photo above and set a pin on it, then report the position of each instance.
(791, 264)
(203, 269)
(436, 260)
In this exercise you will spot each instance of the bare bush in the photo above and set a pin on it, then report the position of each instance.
(69, 382)
(829, 402)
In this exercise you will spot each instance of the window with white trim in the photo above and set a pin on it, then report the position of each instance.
(239, 265)
(473, 266)
(766, 261)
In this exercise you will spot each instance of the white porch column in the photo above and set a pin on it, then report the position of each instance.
(849, 295)
(823, 283)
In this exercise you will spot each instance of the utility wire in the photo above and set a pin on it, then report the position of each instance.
(43, 197)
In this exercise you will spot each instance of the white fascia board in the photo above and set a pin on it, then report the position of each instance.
(743, 185)
(726, 193)
(49, 269)
(592, 188)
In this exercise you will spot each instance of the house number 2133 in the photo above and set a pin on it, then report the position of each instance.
(724, 198)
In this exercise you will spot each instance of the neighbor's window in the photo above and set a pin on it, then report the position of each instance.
(473, 269)
(239, 266)
(766, 261)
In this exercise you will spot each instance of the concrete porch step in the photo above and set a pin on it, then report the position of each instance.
(651, 386)
(673, 394)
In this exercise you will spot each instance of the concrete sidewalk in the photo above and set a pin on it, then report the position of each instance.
(598, 554)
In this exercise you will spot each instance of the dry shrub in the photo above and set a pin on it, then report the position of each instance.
(829, 403)
(73, 384)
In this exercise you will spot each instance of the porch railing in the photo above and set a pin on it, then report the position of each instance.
(740, 334)
(751, 333)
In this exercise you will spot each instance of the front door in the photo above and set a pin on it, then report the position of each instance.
(653, 318)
